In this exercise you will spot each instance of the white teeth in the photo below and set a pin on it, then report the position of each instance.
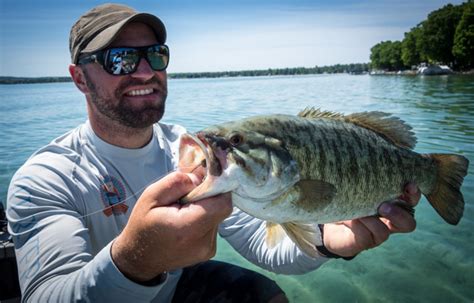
(140, 92)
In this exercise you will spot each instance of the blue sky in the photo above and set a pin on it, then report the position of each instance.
(218, 35)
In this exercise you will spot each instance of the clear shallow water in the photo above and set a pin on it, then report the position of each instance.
(433, 264)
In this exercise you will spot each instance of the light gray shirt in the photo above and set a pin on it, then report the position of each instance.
(70, 200)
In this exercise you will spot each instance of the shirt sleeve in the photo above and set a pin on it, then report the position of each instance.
(246, 234)
(52, 243)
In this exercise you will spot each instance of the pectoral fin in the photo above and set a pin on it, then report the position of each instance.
(309, 195)
(317, 190)
(314, 194)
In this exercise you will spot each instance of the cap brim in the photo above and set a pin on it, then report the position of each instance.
(103, 39)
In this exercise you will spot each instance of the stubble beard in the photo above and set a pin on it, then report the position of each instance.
(121, 111)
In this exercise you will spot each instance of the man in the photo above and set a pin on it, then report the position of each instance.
(87, 226)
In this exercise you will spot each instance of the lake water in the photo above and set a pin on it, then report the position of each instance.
(433, 264)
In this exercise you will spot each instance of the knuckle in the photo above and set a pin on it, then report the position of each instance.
(411, 226)
(411, 194)
(405, 222)
(381, 238)
(370, 241)
(179, 179)
(363, 245)
(364, 242)
(380, 234)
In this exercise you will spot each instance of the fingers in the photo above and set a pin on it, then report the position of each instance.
(396, 218)
(195, 179)
(369, 232)
(378, 231)
(210, 211)
(340, 239)
(194, 218)
(348, 238)
(411, 194)
(168, 189)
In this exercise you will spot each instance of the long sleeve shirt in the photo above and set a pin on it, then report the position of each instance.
(70, 200)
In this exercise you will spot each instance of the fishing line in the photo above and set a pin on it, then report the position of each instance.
(125, 200)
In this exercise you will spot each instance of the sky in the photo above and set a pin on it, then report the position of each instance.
(218, 35)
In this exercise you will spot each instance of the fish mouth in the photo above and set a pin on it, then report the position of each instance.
(200, 156)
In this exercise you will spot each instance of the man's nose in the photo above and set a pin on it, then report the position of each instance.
(144, 70)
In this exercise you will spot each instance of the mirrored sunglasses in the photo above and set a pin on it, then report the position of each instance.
(125, 60)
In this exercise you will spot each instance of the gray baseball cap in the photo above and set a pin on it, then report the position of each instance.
(97, 28)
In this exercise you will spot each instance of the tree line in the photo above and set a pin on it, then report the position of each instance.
(445, 37)
(30, 80)
(353, 68)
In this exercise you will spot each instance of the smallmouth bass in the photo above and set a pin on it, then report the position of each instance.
(318, 167)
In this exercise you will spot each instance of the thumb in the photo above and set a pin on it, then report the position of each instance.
(168, 190)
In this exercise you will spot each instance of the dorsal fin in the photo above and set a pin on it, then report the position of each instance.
(391, 128)
(312, 113)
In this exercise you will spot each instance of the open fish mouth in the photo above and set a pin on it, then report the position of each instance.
(193, 156)
(197, 157)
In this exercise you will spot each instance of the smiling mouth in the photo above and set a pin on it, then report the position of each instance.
(140, 92)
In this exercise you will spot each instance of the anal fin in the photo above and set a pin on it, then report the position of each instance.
(275, 234)
(305, 236)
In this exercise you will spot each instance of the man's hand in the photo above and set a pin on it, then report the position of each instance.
(348, 238)
(162, 235)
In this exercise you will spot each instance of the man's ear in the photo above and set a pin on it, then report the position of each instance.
(77, 75)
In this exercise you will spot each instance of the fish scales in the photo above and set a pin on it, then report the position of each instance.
(318, 167)
(317, 145)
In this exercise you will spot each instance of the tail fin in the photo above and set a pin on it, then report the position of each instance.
(446, 197)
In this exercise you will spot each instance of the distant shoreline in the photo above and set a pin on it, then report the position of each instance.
(355, 68)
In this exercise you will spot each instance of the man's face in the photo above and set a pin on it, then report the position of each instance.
(136, 100)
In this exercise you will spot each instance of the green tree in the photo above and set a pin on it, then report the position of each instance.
(394, 55)
(463, 49)
(387, 55)
(437, 34)
(376, 59)
(410, 47)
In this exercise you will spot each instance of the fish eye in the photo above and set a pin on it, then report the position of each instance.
(236, 139)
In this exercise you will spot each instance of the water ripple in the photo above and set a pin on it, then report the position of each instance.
(432, 264)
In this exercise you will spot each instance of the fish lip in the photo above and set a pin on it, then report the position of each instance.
(217, 151)
(192, 150)
(207, 146)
